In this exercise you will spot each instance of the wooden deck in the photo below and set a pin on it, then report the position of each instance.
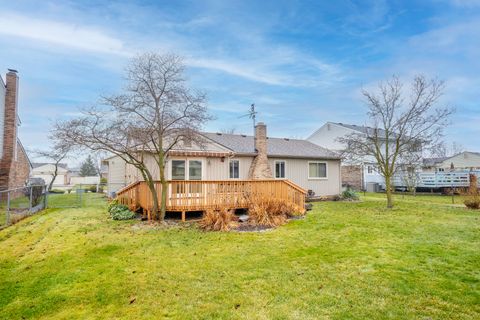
(437, 180)
(184, 196)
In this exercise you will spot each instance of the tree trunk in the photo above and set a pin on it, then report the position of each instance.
(151, 186)
(388, 189)
(164, 182)
(50, 185)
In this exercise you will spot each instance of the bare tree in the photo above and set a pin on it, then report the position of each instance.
(445, 150)
(156, 113)
(401, 124)
(102, 129)
(56, 154)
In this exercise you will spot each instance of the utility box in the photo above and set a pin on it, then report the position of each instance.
(373, 187)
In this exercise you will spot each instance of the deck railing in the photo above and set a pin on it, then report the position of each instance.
(191, 195)
(453, 179)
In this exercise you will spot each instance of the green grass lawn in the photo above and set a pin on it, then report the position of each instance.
(19, 204)
(420, 260)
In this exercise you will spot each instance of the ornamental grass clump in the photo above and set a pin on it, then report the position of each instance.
(217, 220)
(272, 212)
(472, 195)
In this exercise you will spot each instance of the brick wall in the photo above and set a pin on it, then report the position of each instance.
(20, 168)
(352, 176)
(14, 165)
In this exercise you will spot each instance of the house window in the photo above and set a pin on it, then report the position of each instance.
(370, 169)
(317, 170)
(280, 169)
(234, 169)
(195, 170)
(441, 169)
(178, 169)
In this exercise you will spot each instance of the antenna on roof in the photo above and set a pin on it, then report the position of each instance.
(251, 114)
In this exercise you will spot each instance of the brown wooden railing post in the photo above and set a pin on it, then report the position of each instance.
(201, 195)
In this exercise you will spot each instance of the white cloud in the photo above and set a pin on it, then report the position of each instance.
(61, 33)
(237, 69)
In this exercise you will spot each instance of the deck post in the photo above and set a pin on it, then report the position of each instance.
(183, 216)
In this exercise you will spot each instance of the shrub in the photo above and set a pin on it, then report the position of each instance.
(122, 214)
(349, 194)
(36, 192)
(272, 212)
(472, 202)
(92, 189)
(217, 220)
(472, 196)
(119, 211)
(103, 180)
(111, 204)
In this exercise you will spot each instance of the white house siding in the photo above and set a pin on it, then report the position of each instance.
(374, 176)
(45, 172)
(464, 160)
(116, 176)
(296, 170)
(326, 136)
(85, 180)
(59, 179)
(2, 114)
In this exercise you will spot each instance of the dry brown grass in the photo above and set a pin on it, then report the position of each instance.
(272, 212)
(217, 220)
(472, 196)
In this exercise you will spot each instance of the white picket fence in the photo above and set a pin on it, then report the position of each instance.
(453, 179)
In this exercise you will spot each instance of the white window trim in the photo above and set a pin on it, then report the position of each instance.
(202, 175)
(317, 178)
(229, 161)
(187, 168)
(275, 168)
(171, 168)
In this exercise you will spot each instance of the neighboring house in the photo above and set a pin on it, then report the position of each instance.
(46, 170)
(74, 178)
(444, 173)
(464, 161)
(359, 173)
(15, 165)
(230, 157)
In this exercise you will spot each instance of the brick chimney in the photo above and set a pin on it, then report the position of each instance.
(9, 127)
(260, 169)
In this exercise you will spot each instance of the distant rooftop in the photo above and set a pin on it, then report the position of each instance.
(363, 129)
(39, 164)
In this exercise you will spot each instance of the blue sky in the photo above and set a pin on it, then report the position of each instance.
(302, 62)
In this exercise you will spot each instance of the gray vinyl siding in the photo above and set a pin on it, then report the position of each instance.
(296, 170)
(218, 170)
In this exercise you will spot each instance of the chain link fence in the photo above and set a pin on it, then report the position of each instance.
(19, 203)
